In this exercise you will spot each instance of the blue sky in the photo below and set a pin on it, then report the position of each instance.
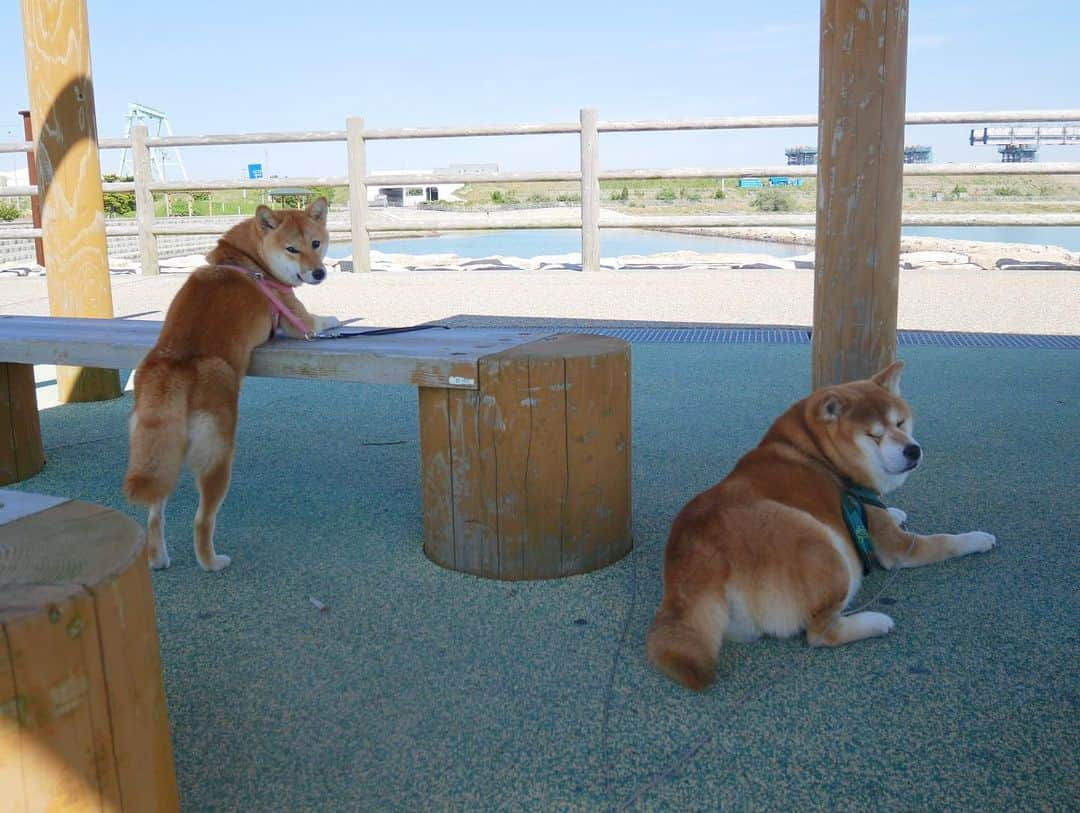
(254, 66)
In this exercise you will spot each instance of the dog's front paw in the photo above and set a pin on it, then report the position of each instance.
(975, 542)
(323, 323)
(899, 515)
(159, 560)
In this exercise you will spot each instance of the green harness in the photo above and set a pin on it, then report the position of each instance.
(853, 501)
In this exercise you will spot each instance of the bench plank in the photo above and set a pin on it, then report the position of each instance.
(431, 358)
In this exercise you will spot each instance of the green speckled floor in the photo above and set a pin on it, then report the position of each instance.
(425, 689)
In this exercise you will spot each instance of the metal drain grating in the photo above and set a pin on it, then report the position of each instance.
(769, 335)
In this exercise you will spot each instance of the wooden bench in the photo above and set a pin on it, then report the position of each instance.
(525, 435)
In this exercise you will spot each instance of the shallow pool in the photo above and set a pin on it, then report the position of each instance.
(619, 242)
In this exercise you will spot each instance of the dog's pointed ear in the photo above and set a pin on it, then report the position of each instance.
(889, 378)
(826, 405)
(316, 210)
(266, 218)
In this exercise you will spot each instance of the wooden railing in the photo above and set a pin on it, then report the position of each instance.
(362, 222)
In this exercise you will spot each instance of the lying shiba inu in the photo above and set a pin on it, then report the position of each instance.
(187, 386)
(768, 551)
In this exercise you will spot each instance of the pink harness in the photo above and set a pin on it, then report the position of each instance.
(277, 308)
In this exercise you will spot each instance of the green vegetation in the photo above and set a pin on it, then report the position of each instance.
(773, 200)
(119, 204)
(1017, 193)
(9, 211)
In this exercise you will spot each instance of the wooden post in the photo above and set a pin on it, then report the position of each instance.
(144, 201)
(32, 179)
(590, 191)
(83, 720)
(528, 477)
(56, 41)
(358, 214)
(860, 187)
(21, 452)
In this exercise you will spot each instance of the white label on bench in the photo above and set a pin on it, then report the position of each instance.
(458, 381)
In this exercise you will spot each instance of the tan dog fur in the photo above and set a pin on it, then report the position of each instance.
(187, 386)
(766, 551)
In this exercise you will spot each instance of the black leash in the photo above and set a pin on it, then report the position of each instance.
(345, 333)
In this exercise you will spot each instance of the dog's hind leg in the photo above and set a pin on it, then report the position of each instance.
(832, 629)
(157, 551)
(213, 485)
(210, 456)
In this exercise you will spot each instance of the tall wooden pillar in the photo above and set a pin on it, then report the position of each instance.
(860, 186)
(56, 42)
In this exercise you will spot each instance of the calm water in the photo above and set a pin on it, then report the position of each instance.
(538, 242)
(1064, 236)
(617, 242)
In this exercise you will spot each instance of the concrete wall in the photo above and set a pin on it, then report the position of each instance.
(120, 248)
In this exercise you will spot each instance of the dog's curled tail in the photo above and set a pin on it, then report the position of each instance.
(683, 643)
(158, 431)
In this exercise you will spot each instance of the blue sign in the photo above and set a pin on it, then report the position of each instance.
(254, 171)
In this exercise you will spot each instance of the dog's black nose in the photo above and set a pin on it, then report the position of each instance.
(319, 274)
(913, 451)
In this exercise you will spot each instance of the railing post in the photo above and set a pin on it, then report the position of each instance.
(144, 201)
(56, 41)
(32, 179)
(860, 187)
(358, 214)
(590, 192)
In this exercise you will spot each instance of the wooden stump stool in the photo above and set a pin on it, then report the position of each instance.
(83, 722)
(21, 454)
(528, 476)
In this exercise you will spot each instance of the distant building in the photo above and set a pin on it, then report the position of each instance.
(918, 154)
(469, 169)
(805, 156)
(15, 177)
(801, 156)
(1018, 153)
(412, 195)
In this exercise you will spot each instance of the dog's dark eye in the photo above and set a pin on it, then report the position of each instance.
(291, 250)
(315, 244)
(901, 422)
(877, 438)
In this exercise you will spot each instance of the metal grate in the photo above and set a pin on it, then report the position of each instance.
(770, 335)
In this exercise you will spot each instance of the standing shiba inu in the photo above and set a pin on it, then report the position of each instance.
(187, 386)
(768, 550)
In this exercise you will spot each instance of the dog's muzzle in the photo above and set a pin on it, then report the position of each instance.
(912, 454)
